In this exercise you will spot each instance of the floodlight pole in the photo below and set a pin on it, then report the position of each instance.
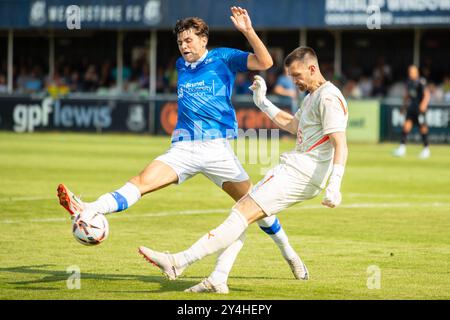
(338, 53)
(10, 60)
(119, 57)
(416, 58)
(303, 39)
(152, 63)
(51, 55)
(152, 80)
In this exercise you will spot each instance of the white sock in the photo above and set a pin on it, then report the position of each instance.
(271, 225)
(225, 261)
(215, 240)
(118, 200)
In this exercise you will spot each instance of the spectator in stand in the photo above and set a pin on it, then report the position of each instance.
(3, 85)
(105, 80)
(446, 88)
(22, 78)
(56, 85)
(379, 89)
(382, 78)
(171, 76)
(436, 93)
(383, 72)
(161, 84)
(242, 84)
(33, 83)
(365, 84)
(67, 70)
(74, 82)
(351, 89)
(90, 79)
(285, 87)
(271, 79)
(144, 77)
(126, 75)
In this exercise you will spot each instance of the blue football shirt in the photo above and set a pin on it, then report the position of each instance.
(204, 96)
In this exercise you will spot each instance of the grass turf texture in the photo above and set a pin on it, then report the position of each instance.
(395, 215)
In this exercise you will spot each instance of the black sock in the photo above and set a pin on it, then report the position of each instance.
(425, 139)
(404, 137)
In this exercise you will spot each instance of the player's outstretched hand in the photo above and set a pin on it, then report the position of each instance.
(259, 89)
(241, 19)
(332, 198)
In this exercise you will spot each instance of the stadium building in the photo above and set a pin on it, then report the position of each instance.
(109, 65)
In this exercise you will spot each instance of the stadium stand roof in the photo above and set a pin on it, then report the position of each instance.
(281, 14)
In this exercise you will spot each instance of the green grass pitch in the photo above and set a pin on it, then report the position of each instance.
(395, 216)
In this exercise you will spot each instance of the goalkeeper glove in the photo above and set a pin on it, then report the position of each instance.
(259, 89)
(333, 196)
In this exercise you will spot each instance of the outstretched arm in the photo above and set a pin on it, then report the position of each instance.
(260, 59)
(283, 119)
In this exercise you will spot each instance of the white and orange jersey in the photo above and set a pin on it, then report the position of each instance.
(322, 112)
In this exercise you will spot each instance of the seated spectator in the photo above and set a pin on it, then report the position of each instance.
(90, 79)
(3, 85)
(436, 93)
(126, 73)
(56, 85)
(161, 84)
(74, 82)
(379, 89)
(171, 76)
(271, 79)
(351, 90)
(241, 84)
(365, 85)
(446, 88)
(33, 83)
(144, 77)
(105, 80)
(22, 78)
(397, 90)
(382, 72)
(284, 86)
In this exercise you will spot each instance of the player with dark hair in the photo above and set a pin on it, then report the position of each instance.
(416, 101)
(319, 156)
(206, 121)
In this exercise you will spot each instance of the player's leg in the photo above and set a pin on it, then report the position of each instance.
(225, 170)
(270, 225)
(423, 128)
(155, 176)
(176, 165)
(217, 281)
(407, 126)
(244, 213)
(266, 200)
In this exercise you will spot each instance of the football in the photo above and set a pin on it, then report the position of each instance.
(90, 228)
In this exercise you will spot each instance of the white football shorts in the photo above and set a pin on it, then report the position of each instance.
(213, 158)
(297, 178)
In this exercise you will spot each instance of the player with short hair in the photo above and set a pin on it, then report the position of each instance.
(206, 120)
(416, 99)
(320, 153)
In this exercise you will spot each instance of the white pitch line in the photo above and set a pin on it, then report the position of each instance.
(397, 196)
(227, 210)
(350, 194)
